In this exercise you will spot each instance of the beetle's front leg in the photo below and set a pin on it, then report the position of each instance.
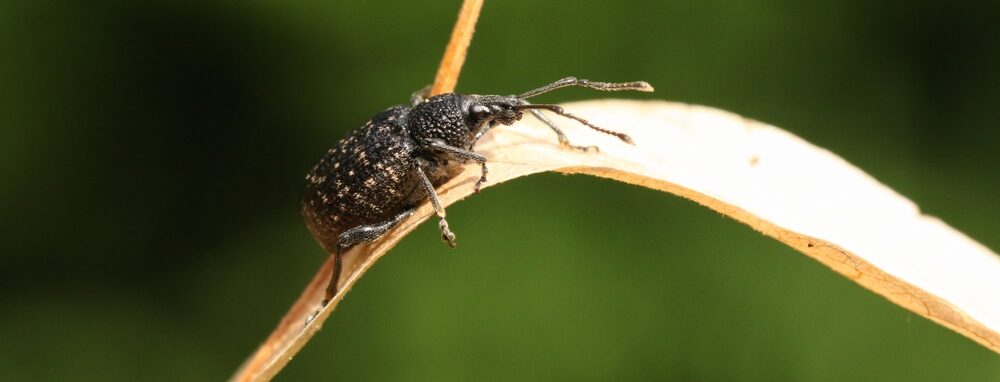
(446, 235)
(419, 96)
(462, 154)
(485, 129)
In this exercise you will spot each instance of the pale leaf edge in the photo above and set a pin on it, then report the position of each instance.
(519, 155)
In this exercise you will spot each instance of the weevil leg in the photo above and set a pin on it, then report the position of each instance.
(489, 126)
(563, 140)
(369, 233)
(419, 96)
(465, 155)
(359, 234)
(332, 287)
(446, 235)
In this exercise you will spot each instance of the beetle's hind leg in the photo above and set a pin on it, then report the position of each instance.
(359, 234)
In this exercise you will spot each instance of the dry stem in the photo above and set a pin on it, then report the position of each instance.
(454, 54)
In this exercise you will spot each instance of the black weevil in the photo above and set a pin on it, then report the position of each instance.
(374, 178)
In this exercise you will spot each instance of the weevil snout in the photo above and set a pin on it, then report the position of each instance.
(506, 115)
(493, 109)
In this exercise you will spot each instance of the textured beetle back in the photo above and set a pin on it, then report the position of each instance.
(364, 179)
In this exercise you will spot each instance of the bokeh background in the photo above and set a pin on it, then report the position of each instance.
(152, 155)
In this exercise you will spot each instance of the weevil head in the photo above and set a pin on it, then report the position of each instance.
(459, 120)
(493, 109)
(484, 112)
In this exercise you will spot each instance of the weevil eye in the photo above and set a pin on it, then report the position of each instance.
(479, 112)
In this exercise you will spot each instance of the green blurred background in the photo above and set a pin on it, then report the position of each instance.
(152, 155)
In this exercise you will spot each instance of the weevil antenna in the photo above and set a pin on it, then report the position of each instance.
(559, 110)
(641, 86)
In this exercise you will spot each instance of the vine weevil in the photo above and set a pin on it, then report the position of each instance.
(374, 178)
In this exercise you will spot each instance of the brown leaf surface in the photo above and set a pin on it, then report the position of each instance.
(773, 181)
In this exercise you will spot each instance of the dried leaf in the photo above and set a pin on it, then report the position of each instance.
(780, 185)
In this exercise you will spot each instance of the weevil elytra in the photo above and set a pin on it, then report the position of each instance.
(373, 179)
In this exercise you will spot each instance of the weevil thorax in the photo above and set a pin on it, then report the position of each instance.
(441, 118)
(459, 119)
